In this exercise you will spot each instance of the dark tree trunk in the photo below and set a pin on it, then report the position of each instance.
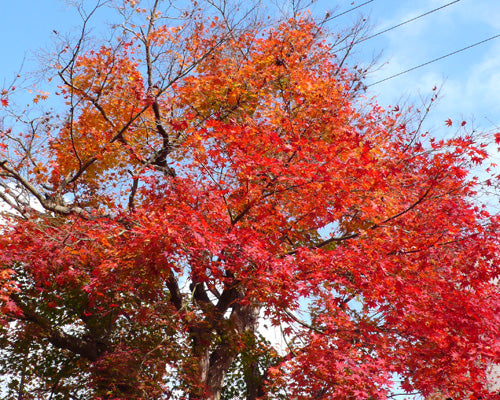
(214, 365)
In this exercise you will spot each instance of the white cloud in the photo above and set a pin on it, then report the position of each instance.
(471, 79)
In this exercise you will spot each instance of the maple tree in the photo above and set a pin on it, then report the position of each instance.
(209, 174)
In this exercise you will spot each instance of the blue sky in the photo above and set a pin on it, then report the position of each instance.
(471, 80)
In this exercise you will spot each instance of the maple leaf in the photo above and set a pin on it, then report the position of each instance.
(199, 182)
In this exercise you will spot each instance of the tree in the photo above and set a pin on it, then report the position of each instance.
(210, 171)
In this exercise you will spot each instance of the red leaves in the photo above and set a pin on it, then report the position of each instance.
(178, 125)
(449, 122)
(4, 100)
(281, 196)
(10, 309)
(52, 304)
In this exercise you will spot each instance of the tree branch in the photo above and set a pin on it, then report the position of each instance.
(372, 227)
(48, 204)
(87, 349)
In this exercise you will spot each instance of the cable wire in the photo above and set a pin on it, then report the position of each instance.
(398, 25)
(351, 9)
(436, 59)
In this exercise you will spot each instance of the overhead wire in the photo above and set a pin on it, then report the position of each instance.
(434, 60)
(398, 25)
(392, 27)
(404, 23)
(348, 11)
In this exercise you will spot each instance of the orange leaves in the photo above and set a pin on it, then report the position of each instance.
(110, 78)
(111, 97)
(288, 189)
(249, 74)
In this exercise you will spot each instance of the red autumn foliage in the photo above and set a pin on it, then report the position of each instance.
(208, 178)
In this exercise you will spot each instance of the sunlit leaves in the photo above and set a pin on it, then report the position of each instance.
(202, 177)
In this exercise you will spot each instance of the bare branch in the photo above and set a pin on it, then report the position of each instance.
(48, 204)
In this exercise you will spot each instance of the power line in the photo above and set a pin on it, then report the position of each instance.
(398, 25)
(348, 11)
(436, 59)
(408, 21)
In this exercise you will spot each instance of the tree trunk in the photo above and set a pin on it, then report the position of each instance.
(214, 366)
(220, 361)
(253, 380)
